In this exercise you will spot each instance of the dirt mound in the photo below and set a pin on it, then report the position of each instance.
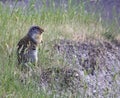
(91, 56)
(60, 79)
(94, 69)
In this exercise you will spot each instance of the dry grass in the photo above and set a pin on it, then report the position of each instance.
(57, 24)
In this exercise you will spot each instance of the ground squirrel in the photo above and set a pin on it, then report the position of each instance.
(27, 47)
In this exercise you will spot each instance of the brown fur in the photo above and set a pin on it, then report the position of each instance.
(26, 45)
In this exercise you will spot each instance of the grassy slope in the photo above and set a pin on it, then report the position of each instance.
(58, 24)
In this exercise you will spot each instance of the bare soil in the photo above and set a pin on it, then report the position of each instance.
(93, 68)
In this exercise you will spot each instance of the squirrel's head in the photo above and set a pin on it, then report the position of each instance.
(35, 34)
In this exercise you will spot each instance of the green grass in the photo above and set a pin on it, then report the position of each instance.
(57, 23)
